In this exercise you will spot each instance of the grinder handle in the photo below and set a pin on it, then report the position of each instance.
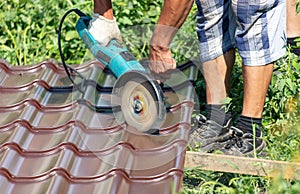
(115, 56)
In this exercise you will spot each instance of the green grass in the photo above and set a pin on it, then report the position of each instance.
(28, 35)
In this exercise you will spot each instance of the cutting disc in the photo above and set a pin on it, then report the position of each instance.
(141, 101)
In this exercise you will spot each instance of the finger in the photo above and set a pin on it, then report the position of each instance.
(170, 64)
(165, 76)
(157, 77)
(161, 77)
(157, 66)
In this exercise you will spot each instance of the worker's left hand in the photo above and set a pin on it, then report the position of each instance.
(104, 30)
(161, 62)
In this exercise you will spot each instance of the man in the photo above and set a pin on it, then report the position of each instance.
(257, 29)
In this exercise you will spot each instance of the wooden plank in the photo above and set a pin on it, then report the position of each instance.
(242, 165)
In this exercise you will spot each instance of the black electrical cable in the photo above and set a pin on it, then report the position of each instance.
(69, 70)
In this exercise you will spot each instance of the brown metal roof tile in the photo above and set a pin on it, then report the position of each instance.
(55, 139)
(116, 181)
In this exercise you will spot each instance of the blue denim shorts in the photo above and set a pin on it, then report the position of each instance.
(255, 27)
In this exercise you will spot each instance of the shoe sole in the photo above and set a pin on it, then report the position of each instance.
(260, 150)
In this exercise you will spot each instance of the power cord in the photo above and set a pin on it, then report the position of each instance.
(69, 70)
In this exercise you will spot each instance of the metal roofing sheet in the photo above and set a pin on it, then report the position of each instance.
(55, 139)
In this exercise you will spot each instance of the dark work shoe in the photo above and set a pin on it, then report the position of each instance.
(243, 144)
(209, 135)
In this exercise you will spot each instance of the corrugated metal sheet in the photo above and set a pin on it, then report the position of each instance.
(55, 139)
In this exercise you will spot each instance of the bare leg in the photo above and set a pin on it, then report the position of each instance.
(256, 83)
(104, 8)
(217, 75)
(292, 19)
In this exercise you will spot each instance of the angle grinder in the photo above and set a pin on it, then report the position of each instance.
(137, 94)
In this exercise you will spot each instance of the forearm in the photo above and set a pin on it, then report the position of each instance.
(104, 8)
(173, 15)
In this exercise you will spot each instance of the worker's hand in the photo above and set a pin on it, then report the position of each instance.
(161, 62)
(104, 30)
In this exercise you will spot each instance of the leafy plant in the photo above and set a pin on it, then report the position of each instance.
(29, 30)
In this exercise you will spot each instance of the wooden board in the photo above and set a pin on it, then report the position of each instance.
(242, 165)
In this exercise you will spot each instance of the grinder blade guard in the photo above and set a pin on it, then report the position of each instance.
(135, 91)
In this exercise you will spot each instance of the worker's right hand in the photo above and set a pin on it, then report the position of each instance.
(161, 62)
(104, 30)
